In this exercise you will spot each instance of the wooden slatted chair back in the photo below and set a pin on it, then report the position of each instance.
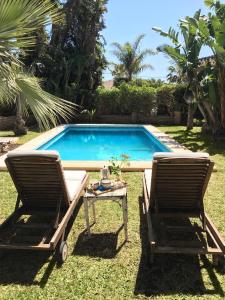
(179, 184)
(38, 179)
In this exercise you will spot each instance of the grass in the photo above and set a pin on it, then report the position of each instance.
(98, 268)
(22, 139)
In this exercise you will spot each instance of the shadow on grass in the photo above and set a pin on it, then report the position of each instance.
(172, 274)
(103, 245)
(197, 141)
(22, 267)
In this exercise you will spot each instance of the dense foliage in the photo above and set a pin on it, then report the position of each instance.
(185, 53)
(205, 77)
(72, 61)
(128, 98)
(125, 99)
(155, 83)
(20, 20)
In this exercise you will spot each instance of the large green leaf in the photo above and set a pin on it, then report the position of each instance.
(19, 19)
(209, 3)
(46, 108)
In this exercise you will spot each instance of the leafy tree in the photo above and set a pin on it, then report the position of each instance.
(19, 20)
(212, 33)
(175, 74)
(185, 54)
(155, 83)
(74, 59)
(31, 56)
(131, 59)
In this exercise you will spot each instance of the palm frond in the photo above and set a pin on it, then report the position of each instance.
(19, 19)
(46, 108)
(117, 46)
(143, 54)
(137, 42)
(171, 34)
(144, 67)
(130, 57)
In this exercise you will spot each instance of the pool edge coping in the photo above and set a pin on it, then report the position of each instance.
(165, 139)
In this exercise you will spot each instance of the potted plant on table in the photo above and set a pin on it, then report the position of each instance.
(117, 164)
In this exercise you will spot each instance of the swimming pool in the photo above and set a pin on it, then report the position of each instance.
(101, 143)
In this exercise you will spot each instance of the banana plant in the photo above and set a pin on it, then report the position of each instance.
(19, 19)
(185, 54)
(212, 32)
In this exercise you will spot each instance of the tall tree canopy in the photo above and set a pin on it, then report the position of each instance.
(73, 60)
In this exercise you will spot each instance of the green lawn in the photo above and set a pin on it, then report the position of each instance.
(22, 139)
(98, 268)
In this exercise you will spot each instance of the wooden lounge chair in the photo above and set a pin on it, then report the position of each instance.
(47, 197)
(173, 199)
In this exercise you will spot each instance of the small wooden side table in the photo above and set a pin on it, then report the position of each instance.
(119, 196)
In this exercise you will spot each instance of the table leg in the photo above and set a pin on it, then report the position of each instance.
(94, 213)
(86, 215)
(125, 216)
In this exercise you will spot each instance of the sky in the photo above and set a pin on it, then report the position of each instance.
(126, 19)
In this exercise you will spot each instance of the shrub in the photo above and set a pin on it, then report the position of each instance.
(128, 98)
(125, 99)
(155, 83)
(165, 97)
(172, 97)
(107, 101)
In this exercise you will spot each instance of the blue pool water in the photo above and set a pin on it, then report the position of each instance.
(103, 143)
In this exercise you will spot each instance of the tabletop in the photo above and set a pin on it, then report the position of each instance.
(111, 194)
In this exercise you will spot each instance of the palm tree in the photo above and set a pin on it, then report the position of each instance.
(186, 56)
(130, 59)
(19, 19)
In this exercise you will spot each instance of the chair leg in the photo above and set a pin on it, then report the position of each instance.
(149, 256)
(215, 260)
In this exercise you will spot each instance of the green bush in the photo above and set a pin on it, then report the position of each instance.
(126, 99)
(107, 101)
(165, 97)
(155, 83)
(172, 97)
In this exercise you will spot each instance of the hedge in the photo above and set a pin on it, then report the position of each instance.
(125, 99)
(171, 95)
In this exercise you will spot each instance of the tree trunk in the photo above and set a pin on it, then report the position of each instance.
(210, 116)
(202, 110)
(221, 84)
(130, 77)
(19, 128)
(190, 117)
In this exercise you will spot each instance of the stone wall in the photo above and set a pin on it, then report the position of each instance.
(138, 119)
